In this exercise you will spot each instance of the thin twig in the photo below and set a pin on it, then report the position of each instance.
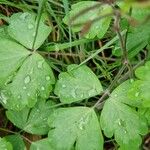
(109, 89)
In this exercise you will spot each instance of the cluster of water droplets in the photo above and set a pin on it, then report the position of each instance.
(40, 64)
(31, 26)
(3, 97)
(122, 124)
(82, 122)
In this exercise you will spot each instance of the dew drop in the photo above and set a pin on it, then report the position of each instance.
(82, 123)
(28, 94)
(3, 98)
(115, 95)
(47, 78)
(80, 127)
(30, 26)
(31, 71)
(91, 92)
(40, 64)
(137, 94)
(131, 80)
(27, 79)
(19, 97)
(34, 33)
(97, 27)
(24, 87)
(73, 94)
(42, 88)
(64, 86)
(56, 48)
(81, 95)
(23, 16)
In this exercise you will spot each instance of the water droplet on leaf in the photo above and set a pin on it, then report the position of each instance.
(137, 94)
(24, 16)
(28, 94)
(47, 78)
(24, 87)
(3, 98)
(91, 92)
(73, 94)
(115, 95)
(30, 26)
(40, 64)
(27, 79)
(42, 88)
(34, 33)
(19, 97)
(131, 80)
(64, 86)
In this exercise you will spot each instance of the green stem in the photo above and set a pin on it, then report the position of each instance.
(102, 48)
(59, 46)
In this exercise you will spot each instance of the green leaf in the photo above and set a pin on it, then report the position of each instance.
(5, 145)
(98, 27)
(122, 121)
(3, 32)
(145, 112)
(139, 35)
(22, 28)
(34, 79)
(75, 127)
(140, 88)
(122, 90)
(16, 141)
(12, 56)
(78, 83)
(43, 144)
(33, 120)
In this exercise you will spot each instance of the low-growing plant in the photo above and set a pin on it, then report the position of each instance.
(80, 94)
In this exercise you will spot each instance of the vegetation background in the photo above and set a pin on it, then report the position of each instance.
(74, 75)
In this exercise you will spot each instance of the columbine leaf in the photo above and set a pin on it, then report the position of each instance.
(122, 121)
(34, 79)
(145, 113)
(32, 120)
(41, 144)
(140, 88)
(76, 84)
(16, 141)
(3, 32)
(75, 127)
(22, 27)
(98, 28)
(139, 35)
(12, 56)
(5, 145)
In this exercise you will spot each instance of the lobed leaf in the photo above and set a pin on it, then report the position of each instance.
(138, 36)
(5, 145)
(41, 144)
(75, 128)
(16, 141)
(140, 88)
(34, 79)
(22, 27)
(122, 121)
(98, 27)
(78, 83)
(33, 120)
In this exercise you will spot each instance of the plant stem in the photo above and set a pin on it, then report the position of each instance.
(9, 131)
(109, 89)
